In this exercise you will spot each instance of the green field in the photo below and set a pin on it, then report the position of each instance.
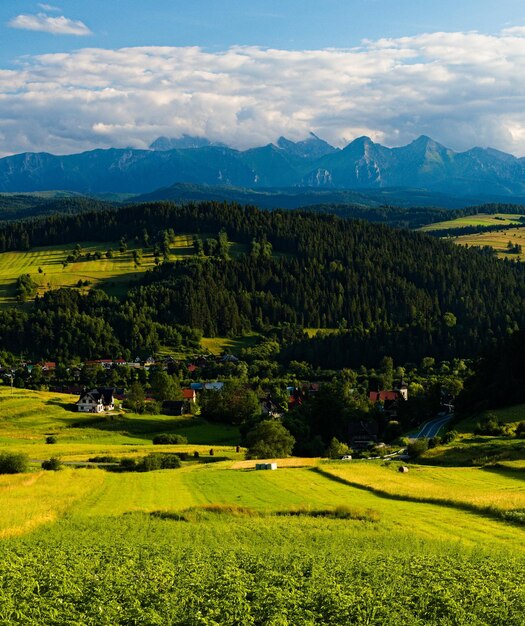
(498, 240)
(112, 274)
(27, 417)
(233, 345)
(480, 219)
(472, 449)
(216, 543)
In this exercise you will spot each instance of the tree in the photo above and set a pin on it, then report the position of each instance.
(336, 449)
(164, 387)
(136, 398)
(233, 404)
(269, 439)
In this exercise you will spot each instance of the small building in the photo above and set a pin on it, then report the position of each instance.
(96, 400)
(173, 407)
(189, 395)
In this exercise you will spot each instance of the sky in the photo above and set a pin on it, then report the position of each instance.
(75, 75)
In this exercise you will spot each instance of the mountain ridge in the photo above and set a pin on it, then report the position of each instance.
(363, 164)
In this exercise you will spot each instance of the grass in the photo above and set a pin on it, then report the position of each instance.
(497, 240)
(473, 488)
(313, 332)
(30, 500)
(473, 449)
(112, 274)
(480, 219)
(27, 417)
(233, 345)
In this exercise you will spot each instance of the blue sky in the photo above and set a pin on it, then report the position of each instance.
(448, 69)
(219, 24)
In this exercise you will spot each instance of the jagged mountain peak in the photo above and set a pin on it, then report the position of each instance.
(311, 147)
(184, 142)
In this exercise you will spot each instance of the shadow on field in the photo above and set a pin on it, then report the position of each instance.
(67, 406)
(510, 517)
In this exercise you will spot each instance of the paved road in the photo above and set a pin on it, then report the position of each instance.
(432, 427)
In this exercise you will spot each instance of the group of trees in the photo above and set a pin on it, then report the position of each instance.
(385, 291)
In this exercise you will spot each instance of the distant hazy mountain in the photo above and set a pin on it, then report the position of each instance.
(184, 142)
(424, 165)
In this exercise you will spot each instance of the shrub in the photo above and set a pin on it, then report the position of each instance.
(434, 441)
(103, 459)
(520, 430)
(51, 439)
(13, 463)
(128, 464)
(489, 426)
(417, 447)
(53, 464)
(449, 437)
(159, 461)
(169, 439)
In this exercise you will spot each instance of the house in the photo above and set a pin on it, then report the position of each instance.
(189, 395)
(363, 433)
(96, 400)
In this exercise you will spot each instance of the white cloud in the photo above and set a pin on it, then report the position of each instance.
(463, 89)
(49, 8)
(45, 23)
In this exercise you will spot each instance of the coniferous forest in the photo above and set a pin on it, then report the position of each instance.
(385, 290)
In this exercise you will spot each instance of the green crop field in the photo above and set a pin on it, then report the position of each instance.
(113, 274)
(219, 542)
(498, 240)
(480, 219)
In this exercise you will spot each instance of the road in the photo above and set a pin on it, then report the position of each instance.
(433, 426)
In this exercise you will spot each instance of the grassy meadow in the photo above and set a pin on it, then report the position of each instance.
(498, 239)
(480, 219)
(217, 542)
(112, 274)
(471, 449)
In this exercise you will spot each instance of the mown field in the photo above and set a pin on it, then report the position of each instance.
(498, 239)
(217, 542)
(480, 219)
(113, 274)
(28, 417)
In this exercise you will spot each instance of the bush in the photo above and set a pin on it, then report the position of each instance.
(434, 442)
(53, 464)
(449, 437)
(128, 465)
(13, 463)
(169, 439)
(103, 459)
(489, 426)
(417, 448)
(269, 439)
(520, 430)
(51, 439)
(156, 461)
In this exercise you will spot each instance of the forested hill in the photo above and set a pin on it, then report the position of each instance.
(390, 291)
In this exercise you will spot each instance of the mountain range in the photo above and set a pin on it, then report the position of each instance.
(424, 164)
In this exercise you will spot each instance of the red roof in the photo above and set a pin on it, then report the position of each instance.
(382, 396)
(192, 367)
(188, 394)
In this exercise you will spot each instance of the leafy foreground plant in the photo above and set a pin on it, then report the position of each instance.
(137, 569)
